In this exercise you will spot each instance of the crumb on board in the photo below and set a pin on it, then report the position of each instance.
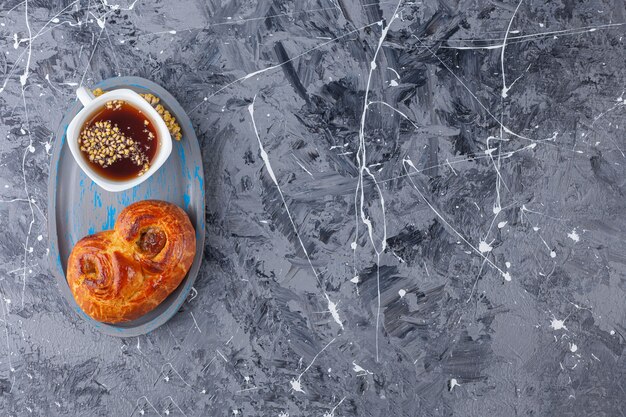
(170, 121)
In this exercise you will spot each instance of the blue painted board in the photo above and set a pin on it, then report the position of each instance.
(78, 207)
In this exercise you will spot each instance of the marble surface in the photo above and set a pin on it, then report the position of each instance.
(413, 209)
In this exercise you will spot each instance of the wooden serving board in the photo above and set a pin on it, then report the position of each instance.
(78, 207)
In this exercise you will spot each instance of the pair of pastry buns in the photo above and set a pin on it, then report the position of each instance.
(121, 274)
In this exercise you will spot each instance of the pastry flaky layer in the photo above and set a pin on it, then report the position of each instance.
(121, 274)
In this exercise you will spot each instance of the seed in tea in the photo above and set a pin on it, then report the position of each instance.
(170, 121)
(118, 141)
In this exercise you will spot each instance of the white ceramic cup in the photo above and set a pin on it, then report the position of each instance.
(93, 104)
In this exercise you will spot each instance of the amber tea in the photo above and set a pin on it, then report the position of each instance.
(119, 141)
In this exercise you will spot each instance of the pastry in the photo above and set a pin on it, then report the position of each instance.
(121, 274)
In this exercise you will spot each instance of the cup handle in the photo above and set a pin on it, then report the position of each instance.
(84, 95)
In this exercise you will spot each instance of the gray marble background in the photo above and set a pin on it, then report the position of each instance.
(455, 250)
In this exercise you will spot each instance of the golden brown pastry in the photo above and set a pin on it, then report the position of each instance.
(121, 274)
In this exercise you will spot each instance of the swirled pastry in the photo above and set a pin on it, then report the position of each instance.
(121, 274)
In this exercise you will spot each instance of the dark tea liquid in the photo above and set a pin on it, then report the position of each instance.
(131, 122)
